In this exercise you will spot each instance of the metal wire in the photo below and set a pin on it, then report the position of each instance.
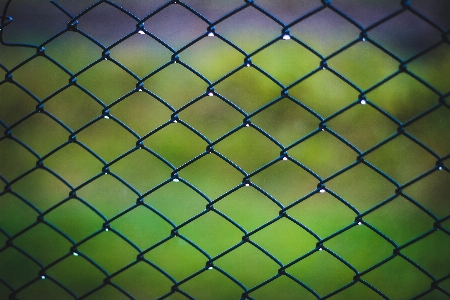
(283, 213)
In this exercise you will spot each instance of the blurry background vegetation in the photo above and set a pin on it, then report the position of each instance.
(403, 98)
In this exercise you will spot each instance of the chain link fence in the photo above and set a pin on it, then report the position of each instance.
(225, 149)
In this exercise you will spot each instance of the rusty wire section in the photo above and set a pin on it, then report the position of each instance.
(436, 285)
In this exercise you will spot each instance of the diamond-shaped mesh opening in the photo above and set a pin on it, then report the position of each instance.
(286, 121)
(429, 253)
(108, 195)
(80, 166)
(115, 253)
(315, 154)
(364, 188)
(248, 265)
(310, 271)
(286, 61)
(17, 269)
(82, 278)
(140, 64)
(212, 57)
(364, 64)
(285, 240)
(242, 29)
(324, 93)
(75, 219)
(36, 242)
(248, 207)
(255, 149)
(398, 279)
(36, 134)
(433, 67)
(15, 103)
(177, 257)
(217, 285)
(15, 159)
(73, 99)
(282, 287)
(142, 170)
(206, 174)
(136, 280)
(290, 182)
(73, 51)
(325, 32)
(400, 220)
(322, 213)
(432, 192)
(141, 113)
(106, 81)
(181, 138)
(403, 97)
(360, 247)
(244, 156)
(50, 80)
(41, 189)
(362, 126)
(107, 32)
(434, 136)
(10, 208)
(412, 34)
(114, 139)
(142, 227)
(406, 159)
(212, 233)
(177, 201)
(176, 26)
(44, 287)
(176, 85)
(212, 117)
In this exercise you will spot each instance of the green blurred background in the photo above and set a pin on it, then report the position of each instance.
(403, 97)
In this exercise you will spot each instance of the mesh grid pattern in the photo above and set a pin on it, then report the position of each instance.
(312, 252)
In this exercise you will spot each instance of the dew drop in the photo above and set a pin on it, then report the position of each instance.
(176, 180)
(247, 184)
(75, 254)
(210, 94)
(42, 277)
(211, 34)
(363, 39)
(106, 229)
(359, 223)
(140, 90)
(210, 268)
(286, 37)
(363, 101)
(320, 249)
(247, 125)
(322, 191)
(175, 121)
(106, 117)
(285, 158)
(440, 168)
(248, 65)
(141, 32)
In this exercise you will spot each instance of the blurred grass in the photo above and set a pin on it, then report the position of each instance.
(363, 126)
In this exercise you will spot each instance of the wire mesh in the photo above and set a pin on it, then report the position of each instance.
(302, 156)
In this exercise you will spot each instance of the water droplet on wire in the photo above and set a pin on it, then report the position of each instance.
(286, 37)
(322, 191)
(106, 117)
(176, 180)
(42, 277)
(363, 101)
(141, 32)
(211, 34)
(75, 254)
